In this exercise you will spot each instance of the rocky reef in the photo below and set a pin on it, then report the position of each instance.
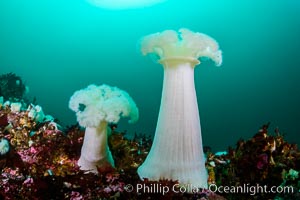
(262, 167)
(12, 87)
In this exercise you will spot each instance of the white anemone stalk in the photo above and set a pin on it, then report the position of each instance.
(177, 152)
(96, 107)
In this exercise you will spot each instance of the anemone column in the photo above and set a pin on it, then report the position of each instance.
(177, 152)
(95, 151)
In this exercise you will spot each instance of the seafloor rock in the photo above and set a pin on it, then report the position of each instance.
(262, 167)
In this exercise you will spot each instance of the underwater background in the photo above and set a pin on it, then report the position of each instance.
(60, 46)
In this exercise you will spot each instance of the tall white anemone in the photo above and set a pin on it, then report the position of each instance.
(177, 152)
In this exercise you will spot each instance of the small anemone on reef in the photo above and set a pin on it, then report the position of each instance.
(4, 146)
(96, 107)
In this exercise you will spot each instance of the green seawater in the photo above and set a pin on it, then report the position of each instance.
(60, 46)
